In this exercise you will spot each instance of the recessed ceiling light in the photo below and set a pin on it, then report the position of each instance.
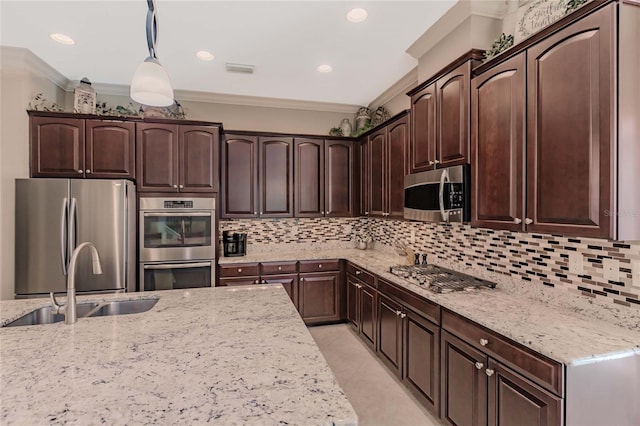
(357, 15)
(325, 68)
(203, 55)
(62, 38)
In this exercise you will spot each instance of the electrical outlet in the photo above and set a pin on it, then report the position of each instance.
(412, 237)
(611, 269)
(575, 263)
(635, 274)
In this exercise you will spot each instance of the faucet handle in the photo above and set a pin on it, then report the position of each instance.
(54, 303)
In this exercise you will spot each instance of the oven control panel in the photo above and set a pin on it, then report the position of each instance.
(182, 204)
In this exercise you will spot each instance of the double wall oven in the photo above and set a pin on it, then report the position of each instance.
(177, 243)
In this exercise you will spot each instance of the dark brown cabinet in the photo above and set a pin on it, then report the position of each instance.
(322, 295)
(390, 333)
(423, 129)
(177, 158)
(79, 148)
(570, 105)
(362, 303)
(325, 178)
(257, 176)
(497, 146)
(387, 164)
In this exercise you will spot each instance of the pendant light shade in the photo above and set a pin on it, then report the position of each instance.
(150, 84)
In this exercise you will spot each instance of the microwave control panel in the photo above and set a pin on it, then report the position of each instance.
(456, 196)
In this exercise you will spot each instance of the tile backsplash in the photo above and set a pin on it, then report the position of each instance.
(535, 258)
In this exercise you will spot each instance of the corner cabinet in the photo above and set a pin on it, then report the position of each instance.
(81, 148)
(550, 147)
(257, 176)
(177, 158)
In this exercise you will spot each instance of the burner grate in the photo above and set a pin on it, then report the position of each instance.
(439, 280)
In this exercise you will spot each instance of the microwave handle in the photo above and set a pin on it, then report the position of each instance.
(444, 177)
(178, 265)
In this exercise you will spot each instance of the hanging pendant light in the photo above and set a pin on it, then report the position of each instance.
(150, 84)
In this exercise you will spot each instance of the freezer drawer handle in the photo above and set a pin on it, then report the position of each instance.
(177, 213)
(178, 265)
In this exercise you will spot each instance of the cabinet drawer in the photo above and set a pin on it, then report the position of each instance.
(319, 265)
(273, 268)
(360, 274)
(239, 270)
(540, 369)
(239, 281)
(426, 308)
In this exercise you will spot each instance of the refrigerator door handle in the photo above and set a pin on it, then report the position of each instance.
(64, 223)
(73, 224)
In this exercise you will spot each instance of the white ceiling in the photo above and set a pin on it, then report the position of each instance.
(285, 40)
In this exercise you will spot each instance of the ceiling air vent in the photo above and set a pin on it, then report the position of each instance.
(241, 68)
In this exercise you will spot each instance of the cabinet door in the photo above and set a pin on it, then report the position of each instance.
(157, 157)
(515, 400)
(309, 177)
(57, 147)
(367, 307)
(339, 173)
(464, 383)
(453, 117)
(398, 165)
(109, 149)
(276, 177)
(423, 129)
(239, 176)
(320, 297)
(570, 127)
(497, 146)
(222, 282)
(199, 146)
(377, 173)
(289, 282)
(390, 333)
(365, 177)
(353, 302)
(421, 359)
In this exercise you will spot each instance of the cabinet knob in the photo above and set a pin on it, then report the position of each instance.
(80, 171)
(528, 221)
(489, 372)
(402, 315)
(398, 313)
(358, 272)
(175, 186)
(88, 171)
(479, 365)
(264, 281)
(484, 342)
(431, 163)
(517, 221)
(279, 268)
(260, 213)
(256, 282)
(320, 266)
(436, 162)
(322, 213)
(181, 186)
(239, 270)
(255, 213)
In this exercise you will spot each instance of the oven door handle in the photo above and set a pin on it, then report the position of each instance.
(182, 213)
(444, 177)
(178, 265)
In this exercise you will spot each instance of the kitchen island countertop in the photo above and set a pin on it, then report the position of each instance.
(523, 312)
(223, 355)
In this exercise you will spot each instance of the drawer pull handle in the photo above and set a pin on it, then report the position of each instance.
(484, 342)
(403, 315)
(479, 365)
(358, 272)
(489, 372)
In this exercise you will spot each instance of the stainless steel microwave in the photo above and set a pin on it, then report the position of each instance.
(441, 195)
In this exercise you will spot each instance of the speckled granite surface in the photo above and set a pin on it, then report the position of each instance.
(565, 327)
(225, 355)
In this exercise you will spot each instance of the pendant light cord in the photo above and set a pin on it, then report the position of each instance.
(152, 29)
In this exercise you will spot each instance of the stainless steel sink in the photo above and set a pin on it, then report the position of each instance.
(124, 307)
(46, 315)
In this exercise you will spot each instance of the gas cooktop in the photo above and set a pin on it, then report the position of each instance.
(439, 280)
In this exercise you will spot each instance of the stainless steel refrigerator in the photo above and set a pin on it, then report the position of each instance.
(53, 216)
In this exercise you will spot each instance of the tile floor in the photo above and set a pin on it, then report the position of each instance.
(377, 396)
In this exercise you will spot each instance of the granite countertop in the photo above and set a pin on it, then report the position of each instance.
(222, 355)
(565, 332)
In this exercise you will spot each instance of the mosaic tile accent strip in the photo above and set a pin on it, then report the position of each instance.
(535, 258)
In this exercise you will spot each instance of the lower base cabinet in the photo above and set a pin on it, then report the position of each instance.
(362, 304)
(289, 282)
(390, 333)
(319, 299)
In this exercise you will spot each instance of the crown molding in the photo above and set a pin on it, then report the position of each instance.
(409, 80)
(24, 59)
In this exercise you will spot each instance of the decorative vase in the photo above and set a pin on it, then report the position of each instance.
(362, 245)
(84, 98)
(362, 117)
(346, 127)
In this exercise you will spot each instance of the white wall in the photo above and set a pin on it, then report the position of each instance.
(18, 83)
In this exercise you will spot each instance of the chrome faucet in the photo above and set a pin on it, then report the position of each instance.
(70, 314)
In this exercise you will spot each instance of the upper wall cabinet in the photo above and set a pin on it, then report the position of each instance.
(440, 116)
(257, 176)
(177, 158)
(79, 148)
(564, 178)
